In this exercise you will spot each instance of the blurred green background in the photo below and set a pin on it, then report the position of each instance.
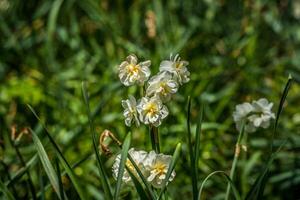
(239, 50)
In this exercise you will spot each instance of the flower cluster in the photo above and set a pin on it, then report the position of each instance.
(150, 109)
(257, 114)
(152, 165)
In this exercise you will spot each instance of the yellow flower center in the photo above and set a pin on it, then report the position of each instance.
(133, 69)
(164, 88)
(151, 108)
(160, 168)
(178, 65)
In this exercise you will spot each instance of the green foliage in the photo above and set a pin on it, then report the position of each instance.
(238, 51)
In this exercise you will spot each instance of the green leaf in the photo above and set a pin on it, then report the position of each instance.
(61, 189)
(197, 146)
(280, 108)
(124, 153)
(257, 189)
(138, 186)
(62, 159)
(22, 170)
(46, 163)
(174, 160)
(103, 176)
(235, 191)
(5, 191)
(191, 153)
(148, 188)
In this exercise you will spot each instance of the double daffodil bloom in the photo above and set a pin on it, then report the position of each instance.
(131, 72)
(157, 166)
(130, 111)
(162, 85)
(151, 110)
(257, 114)
(177, 67)
(138, 157)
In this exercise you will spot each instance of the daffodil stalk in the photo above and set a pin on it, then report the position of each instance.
(154, 138)
(235, 158)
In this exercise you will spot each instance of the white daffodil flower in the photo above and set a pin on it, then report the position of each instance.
(240, 116)
(131, 72)
(254, 115)
(263, 114)
(157, 166)
(162, 85)
(130, 111)
(177, 67)
(138, 157)
(151, 110)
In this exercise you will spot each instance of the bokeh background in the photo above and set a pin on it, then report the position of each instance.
(238, 51)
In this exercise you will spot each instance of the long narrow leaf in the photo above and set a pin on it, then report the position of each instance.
(124, 153)
(235, 191)
(172, 165)
(62, 159)
(257, 188)
(61, 189)
(22, 170)
(280, 107)
(191, 153)
(5, 191)
(148, 188)
(197, 145)
(46, 187)
(138, 186)
(103, 177)
(49, 169)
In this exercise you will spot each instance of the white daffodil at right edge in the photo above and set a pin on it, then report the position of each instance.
(138, 157)
(162, 85)
(131, 72)
(177, 67)
(262, 113)
(157, 166)
(152, 111)
(130, 111)
(257, 114)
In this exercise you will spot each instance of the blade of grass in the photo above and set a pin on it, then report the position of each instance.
(62, 159)
(64, 172)
(46, 163)
(197, 145)
(7, 172)
(22, 170)
(5, 191)
(103, 176)
(138, 186)
(235, 159)
(257, 189)
(191, 153)
(234, 189)
(124, 153)
(41, 182)
(29, 180)
(172, 165)
(148, 188)
(280, 108)
(61, 189)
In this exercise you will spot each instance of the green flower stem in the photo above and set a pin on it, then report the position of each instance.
(154, 139)
(244, 158)
(235, 159)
